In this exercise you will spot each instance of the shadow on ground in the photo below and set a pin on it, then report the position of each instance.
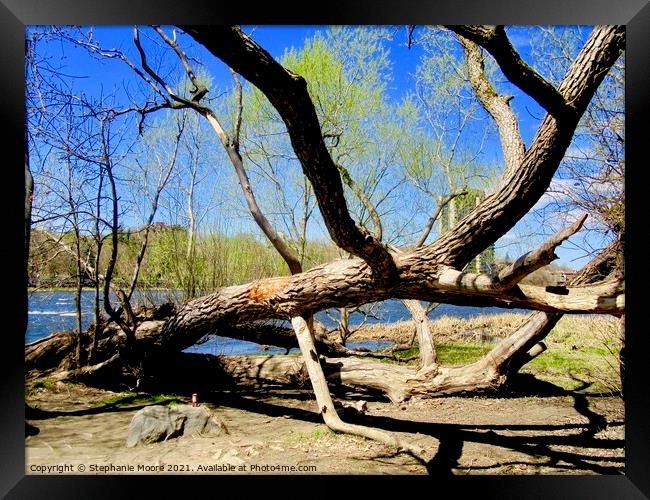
(538, 441)
(534, 439)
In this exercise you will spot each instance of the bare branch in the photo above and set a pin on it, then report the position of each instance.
(356, 189)
(145, 65)
(442, 203)
(200, 90)
(231, 146)
(66, 248)
(410, 30)
(154, 207)
(496, 105)
(526, 264)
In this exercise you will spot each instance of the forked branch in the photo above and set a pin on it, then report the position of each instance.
(288, 93)
(495, 40)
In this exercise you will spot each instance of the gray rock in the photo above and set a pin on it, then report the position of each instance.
(159, 423)
(198, 421)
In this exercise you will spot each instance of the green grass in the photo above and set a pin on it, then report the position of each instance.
(42, 383)
(323, 435)
(449, 354)
(127, 399)
(590, 370)
(462, 354)
(320, 432)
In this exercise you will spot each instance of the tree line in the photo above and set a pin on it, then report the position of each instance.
(220, 260)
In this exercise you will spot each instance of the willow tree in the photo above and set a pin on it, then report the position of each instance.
(431, 272)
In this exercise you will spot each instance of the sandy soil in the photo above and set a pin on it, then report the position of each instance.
(271, 431)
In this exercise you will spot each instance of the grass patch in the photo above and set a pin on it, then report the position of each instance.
(462, 354)
(128, 399)
(591, 370)
(448, 354)
(582, 351)
(322, 437)
(42, 383)
(319, 433)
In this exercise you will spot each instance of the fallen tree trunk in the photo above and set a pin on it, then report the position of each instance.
(397, 382)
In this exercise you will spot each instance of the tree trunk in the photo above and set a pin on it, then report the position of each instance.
(621, 356)
(428, 356)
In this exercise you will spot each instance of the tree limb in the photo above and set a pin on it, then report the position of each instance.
(496, 42)
(231, 145)
(324, 398)
(526, 264)
(288, 93)
(496, 105)
(523, 187)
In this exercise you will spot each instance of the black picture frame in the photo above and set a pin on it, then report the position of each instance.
(16, 14)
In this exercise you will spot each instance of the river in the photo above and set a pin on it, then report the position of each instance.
(51, 312)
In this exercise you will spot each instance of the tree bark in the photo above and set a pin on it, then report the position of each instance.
(428, 356)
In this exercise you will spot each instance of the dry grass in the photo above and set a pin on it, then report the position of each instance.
(595, 331)
(446, 328)
(582, 351)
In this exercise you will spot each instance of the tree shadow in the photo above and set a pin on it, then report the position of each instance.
(530, 439)
(122, 404)
(452, 437)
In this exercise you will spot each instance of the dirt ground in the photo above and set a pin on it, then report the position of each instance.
(276, 431)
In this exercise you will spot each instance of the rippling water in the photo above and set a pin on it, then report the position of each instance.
(50, 312)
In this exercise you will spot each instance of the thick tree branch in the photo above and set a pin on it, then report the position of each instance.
(496, 42)
(519, 191)
(288, 93)
(602, 49)
(496, 105)
(350, 282)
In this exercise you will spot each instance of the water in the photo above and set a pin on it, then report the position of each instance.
(50, 312)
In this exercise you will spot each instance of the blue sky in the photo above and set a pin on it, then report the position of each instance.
(109, 76)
